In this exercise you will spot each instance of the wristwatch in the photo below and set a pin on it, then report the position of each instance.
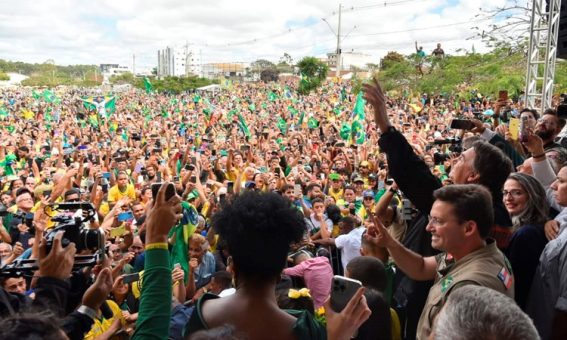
(88, 311)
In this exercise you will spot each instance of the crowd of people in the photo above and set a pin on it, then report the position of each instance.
(242, 215)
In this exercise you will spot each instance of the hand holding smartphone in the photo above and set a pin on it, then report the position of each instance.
(342, 290)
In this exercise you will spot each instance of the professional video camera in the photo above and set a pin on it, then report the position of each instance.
(74, 231)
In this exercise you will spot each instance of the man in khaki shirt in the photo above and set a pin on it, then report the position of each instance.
(460, 220)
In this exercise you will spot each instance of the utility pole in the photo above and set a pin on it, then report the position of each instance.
(338, 67)
(134, 64)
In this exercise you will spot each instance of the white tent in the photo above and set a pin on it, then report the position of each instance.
(214, 88)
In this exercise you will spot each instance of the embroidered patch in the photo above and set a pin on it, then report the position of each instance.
(446, 283)
(505, 277)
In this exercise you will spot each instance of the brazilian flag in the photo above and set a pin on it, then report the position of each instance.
(182, 233)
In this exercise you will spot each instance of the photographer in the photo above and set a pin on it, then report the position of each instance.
(21, 224)
(51, 297)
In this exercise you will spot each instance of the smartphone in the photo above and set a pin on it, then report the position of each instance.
(502, 95)
(176, 179)
(342, 290)
(297, 190)
(47, 193)
(222, 198)
(462, 124)
(129, 278)
(125, 216)
(158, 176)
(193, 179)
(277, 170)
(193, 161)
(106, 175)
(230, 188)
(169, 192)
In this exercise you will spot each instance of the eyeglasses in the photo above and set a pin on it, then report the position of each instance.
(436, 221)
(514, 193)
(368, 198)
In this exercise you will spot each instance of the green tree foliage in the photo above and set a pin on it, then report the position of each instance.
(167, 84)
(502, 69)
(4, 76)
(313, 72)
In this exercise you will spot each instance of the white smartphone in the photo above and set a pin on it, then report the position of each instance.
(342, 290)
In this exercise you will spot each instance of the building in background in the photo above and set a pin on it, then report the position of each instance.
(179, 61)
(350, 60)
(224, 70)
(109, 70)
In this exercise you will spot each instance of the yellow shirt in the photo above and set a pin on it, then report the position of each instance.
(102, 325)
(114, 194)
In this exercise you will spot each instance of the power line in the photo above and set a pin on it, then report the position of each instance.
(419, 28)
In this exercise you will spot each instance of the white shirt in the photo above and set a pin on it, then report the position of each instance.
(349, 245)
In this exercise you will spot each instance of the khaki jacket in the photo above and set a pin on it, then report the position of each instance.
(487, 267)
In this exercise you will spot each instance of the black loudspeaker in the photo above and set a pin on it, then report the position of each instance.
(562, 38)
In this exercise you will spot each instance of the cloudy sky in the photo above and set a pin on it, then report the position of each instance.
(111, 31)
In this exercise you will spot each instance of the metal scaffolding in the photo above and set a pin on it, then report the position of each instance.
(544, 30)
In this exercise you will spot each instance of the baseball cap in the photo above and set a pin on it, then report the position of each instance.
(357, 179)
(368, 193)
(334, 176)
(372, 177)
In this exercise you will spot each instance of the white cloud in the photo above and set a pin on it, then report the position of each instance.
(110, 31)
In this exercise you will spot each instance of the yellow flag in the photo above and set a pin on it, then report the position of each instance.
(28, 114)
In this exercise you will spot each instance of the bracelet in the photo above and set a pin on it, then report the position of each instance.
(88, 311)
(157, 245)
(539, 156)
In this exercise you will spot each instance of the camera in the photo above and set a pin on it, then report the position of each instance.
(27, 219)
(74, 228)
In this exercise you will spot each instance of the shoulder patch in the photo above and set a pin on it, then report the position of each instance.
(506, 278)
(446, 283)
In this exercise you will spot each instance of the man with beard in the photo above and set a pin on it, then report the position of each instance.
(548, 128)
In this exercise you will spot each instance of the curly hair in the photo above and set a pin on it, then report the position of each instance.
(258, 229)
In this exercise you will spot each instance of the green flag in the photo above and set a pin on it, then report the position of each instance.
(252, 107)
(358, 111)
(110, 105)
(3, 113)
(147, 85)
(49, 96)
(282, 125)
(343, 94)
(243, 126)
(181, 234)
(231, 113)
(358, 133)
(196, 98)
(272, 96)
(36, 95)
(301, 119)
(292, 110)
(345, 131)
(312, 123)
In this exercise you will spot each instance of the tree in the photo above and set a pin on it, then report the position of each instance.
(313, 72)
(268, 75)
(286, 59)
(390, 59)
(4, 76)
(511, 23)
(124, 78)
(262, 64)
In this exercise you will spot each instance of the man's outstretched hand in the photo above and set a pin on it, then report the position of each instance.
(375, 96)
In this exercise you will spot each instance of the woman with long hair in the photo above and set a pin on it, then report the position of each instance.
(525, 201)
